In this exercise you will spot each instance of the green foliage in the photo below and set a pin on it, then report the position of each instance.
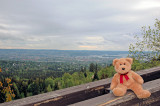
(147, 44)
(34, 88)
(24, 87)
(29, 94)
(102, 74)
(106, 72)
(146, 50)
(137, 65)
(92, 67)
(110, 71)
(49, 89)
(89, 76)
(16, 91)
(50, 82)
(95, 76)
(22, 95)
(32, 70)
(66, 80)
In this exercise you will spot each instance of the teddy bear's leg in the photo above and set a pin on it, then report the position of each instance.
(139, 91)
(120, 90)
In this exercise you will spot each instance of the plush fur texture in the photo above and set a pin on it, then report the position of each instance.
(135, 81)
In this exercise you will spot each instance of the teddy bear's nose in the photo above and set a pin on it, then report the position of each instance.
(123, 68)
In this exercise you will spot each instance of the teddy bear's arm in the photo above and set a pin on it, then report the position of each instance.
(114, 82)
(137, 77)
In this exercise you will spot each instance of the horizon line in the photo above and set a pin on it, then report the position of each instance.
(63, 49)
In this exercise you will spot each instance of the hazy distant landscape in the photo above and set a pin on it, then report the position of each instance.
(56, 60)
(60, 55)
(52, 63)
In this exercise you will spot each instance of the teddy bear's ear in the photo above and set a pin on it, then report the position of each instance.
(130, 60)
(115, 61)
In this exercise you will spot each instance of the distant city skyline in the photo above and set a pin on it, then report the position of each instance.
(74, 24)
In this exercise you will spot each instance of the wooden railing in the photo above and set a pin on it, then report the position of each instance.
(95, 93)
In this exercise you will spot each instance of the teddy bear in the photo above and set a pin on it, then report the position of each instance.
(125, 79)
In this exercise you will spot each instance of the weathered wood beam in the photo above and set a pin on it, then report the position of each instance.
(127, 100)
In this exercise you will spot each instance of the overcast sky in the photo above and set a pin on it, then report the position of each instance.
(74, 24)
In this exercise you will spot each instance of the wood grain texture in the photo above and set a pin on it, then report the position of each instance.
(127, 100)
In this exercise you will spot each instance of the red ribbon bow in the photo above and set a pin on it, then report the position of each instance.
(125, 76)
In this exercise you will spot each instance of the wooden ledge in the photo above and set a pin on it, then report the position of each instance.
(127, 100)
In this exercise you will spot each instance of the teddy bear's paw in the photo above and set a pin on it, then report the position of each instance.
(141, 81)
(119, 91)
(144, 94)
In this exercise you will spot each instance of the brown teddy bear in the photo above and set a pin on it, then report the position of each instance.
(125, 79)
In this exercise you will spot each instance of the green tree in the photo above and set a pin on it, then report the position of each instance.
(16, 91)
(102, 73)
(24, 87)
(34, 88)
(67, 80)
(90, 76)
(147, 44)
(50, 81)
(22, 95)
(92, 67)
(48, 89)
(75, 77)
(57, 83)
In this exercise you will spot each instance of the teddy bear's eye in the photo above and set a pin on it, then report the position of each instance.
(120, 64)
(124, 64)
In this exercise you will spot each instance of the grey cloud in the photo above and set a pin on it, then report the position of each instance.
(72, 20)
(2, 27)
(4, 36)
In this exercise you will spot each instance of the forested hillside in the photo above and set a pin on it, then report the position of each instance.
(31, 72)
(23, 84)
(31, 78)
